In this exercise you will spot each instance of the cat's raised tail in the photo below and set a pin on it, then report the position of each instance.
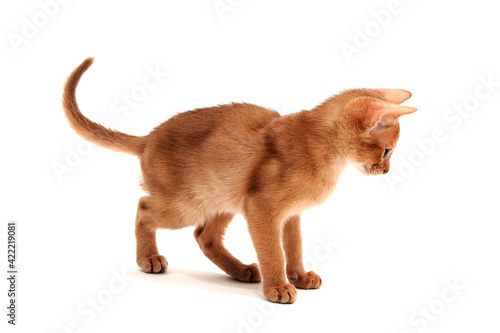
(92, 131)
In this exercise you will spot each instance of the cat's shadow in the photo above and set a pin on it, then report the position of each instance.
(209, 281)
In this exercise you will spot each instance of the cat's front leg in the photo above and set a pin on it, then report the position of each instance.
(266, 232)
(292, 243)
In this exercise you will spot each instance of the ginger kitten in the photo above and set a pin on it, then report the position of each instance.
(202, 167)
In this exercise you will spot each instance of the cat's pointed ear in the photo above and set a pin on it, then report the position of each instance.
(368, 112)
(396, 96)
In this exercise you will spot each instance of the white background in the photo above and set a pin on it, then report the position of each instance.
(397, 238)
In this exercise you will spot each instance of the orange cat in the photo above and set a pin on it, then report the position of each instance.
(202, 167)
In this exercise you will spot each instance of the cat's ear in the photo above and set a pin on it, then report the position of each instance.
(396, 96)
(369, 112)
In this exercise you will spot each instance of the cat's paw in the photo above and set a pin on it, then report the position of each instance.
(309, 280)
(285, 293)
(153, 264)
(248, 273)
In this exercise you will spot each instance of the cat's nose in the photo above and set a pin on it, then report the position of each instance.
(386, 170)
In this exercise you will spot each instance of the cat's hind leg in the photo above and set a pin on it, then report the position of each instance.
(148, 258)
(210, 237)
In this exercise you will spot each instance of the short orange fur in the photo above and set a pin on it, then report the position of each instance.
(202, 167)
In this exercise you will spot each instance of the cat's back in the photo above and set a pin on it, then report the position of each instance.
(206, 154)
(207, 142)
(234, 116)
(192, 130)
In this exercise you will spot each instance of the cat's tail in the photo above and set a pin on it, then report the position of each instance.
(92, 131)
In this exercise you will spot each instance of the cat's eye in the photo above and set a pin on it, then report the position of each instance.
(386, 152)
